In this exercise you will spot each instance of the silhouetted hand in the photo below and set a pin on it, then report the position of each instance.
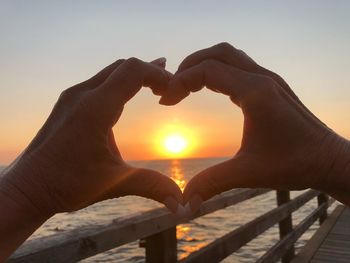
(284, 146)
(74, 160)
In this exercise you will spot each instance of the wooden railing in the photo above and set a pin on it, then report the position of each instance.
(157, 229)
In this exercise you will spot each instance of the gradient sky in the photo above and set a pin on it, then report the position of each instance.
(47, 46)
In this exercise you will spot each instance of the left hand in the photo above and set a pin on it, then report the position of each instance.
(74, 160)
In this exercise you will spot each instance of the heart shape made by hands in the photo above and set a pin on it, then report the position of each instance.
(284, 146)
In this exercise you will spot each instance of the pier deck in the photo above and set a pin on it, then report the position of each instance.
(331, 242)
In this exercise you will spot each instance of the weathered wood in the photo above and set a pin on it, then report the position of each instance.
(85, 242)
(336, 246)
(231, 242)
(285, 225)
(288, 241)
(162, 247)
(228, 199)
(330, 201)
(322, 198)
(308, 251)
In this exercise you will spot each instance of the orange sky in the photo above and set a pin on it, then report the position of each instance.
(208, 132)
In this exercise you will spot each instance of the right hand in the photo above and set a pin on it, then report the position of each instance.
(284, 146)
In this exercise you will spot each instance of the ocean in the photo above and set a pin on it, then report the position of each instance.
(191, 236)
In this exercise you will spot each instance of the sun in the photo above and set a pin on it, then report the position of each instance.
(175, 140)
(175, 143)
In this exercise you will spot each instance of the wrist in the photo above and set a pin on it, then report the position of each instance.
(19, 218)
(336, 178)
(22, 189)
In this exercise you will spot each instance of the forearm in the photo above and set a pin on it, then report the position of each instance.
(18, 220)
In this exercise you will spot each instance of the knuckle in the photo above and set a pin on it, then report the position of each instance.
(133, 62)
(182, 80)
(73, 100)
(225, 45)
(120, 61)
(83, 112)
(225, 48)
(67, 95)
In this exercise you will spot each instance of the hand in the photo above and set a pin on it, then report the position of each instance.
(74, 160)
(284, 146)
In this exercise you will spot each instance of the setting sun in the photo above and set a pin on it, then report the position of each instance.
(175, 143)
(175, 140)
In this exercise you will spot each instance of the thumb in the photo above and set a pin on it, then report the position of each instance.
(150, 184)
(234, 173)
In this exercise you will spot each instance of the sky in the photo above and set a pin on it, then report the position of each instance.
(48, 46)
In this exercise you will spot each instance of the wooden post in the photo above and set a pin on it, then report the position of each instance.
(285, 225)
(162, 247)
(322, 198)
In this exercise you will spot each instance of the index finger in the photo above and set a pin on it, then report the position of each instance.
(228, 54)
(123, 84)
(224, 53)
(216, 76)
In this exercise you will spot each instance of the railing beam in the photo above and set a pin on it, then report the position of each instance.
(84, 242)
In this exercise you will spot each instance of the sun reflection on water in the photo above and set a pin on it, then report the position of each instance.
(177, 174)
(190, 242)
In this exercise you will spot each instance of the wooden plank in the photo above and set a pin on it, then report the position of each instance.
(85, 242)
(285, 225)
(336, 245)
(162, 247)
(280, 248)
(231, 242)
(228, 199)
(316, 240)
(330, 201)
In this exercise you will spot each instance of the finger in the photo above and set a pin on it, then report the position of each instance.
(150, 184)
(228, 54)
(235, 173)
(223, 52)
(128, 79)
(124, 82)
(99, 78)
(161, 62)
(214, 75)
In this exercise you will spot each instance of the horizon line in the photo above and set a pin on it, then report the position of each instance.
(161, 159)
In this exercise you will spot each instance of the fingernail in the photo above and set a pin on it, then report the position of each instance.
(171, 204)
(181, 212)
(164, 101)
(195, 203)
(187, 211)
(173, 96)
